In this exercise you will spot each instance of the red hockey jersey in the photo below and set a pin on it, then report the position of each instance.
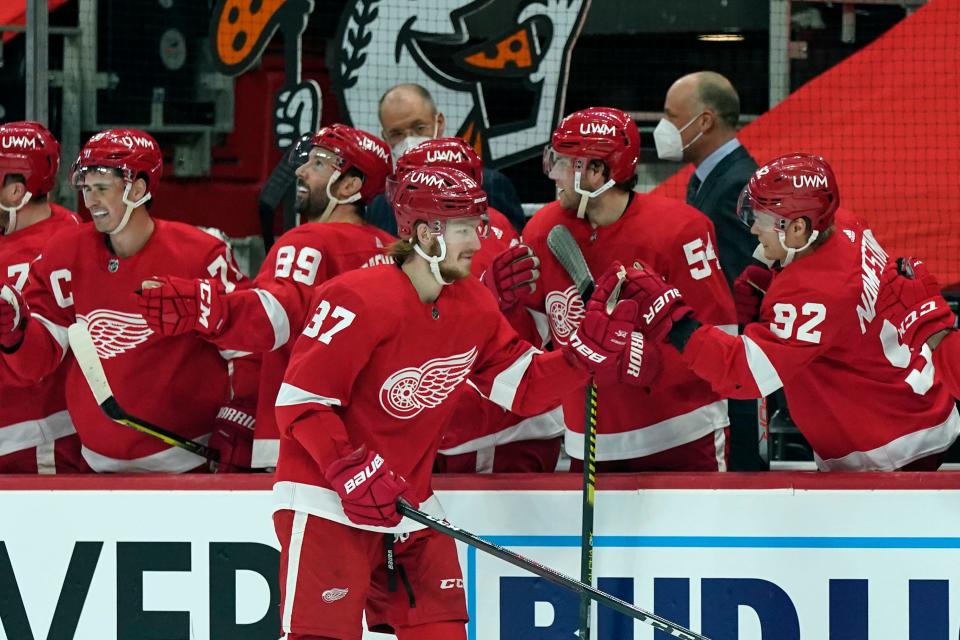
(34, 414)
(946, 358)
(673, 239)
(177, 383)
(376, 366)
(863, 400)
(302, 258)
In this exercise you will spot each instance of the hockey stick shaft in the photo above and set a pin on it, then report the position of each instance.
(568, 254)
(551, 575)
(87, 358)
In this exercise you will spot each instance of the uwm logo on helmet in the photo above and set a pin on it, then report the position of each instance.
(805, 181)
(369, 145)
(135, 141)
(20, 142)
(445, 155)
(597, 129)
(426, 179)
(500, 85)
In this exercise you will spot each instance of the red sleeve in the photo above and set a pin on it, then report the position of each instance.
(690, 263)
(264, 316)
(519, 377)
(322, 371)
(49, 295)
(221, 265)
(946, 361)
(801, 326)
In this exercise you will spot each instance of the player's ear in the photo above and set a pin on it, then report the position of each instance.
(441, 123)
(138, 189)
(422, 234)
(801, 227)
(347, 185)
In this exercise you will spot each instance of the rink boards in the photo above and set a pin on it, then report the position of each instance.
(788, 555)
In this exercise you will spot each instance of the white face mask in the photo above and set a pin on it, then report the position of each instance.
(405, 145)
(669, 141)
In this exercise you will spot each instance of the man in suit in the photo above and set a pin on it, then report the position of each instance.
(699, 125)
(701, 112)
(408, 116)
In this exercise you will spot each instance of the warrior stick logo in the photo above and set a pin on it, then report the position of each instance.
(497, 69)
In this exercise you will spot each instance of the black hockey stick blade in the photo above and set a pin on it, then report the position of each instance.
(551, 575)
(565, 249)
(87, 358)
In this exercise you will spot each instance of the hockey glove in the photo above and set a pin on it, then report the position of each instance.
(233, 438)
(513, 275)
(368, 489)
(913, 302)
(13, 318)
(173, 306)
(660, 304)
(748, 291)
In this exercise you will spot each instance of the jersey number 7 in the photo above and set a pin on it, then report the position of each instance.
(345, 318)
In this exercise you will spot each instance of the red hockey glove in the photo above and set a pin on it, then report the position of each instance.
(173, 306)
(513, 275)
(13, 318)
(748, 291)
(913, 302)
(660, 304)
(233, 438)
(367, 487)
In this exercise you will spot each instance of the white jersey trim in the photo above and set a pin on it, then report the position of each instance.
(325, 503)
(540, 427)
(172, 460)
(504, 388)
(59, 333)
(731, 329)
(645, 441)
(297, 531)
(764, 373)
(33, 433)
(899, 452)
(265, 453)
(290, 395)
(277, 316)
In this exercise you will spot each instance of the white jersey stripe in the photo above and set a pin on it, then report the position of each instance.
(297, 531)
(764, 373)
(900, 452)
(654, 438)
(277, 316)
(290, 395)
(504, 388)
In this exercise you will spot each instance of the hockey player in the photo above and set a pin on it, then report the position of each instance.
(87, 274)
(678, 423)
(36, 432)
(363, 405)
(863, 399)
(482, 436)
(339, 170)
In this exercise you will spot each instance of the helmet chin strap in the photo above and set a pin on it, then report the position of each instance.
(792, 252)
(130, 206)
(434, 260)
(12, 212)
(332, 200)
(586, 195)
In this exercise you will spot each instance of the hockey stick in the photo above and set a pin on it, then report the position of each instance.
(565, 249)
(552, 575)
(86, 354)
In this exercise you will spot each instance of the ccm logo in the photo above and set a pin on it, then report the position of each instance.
(584, 350)
(206, 295)
(451, 583)
(660, 303)
(927, 307)
(363, 475)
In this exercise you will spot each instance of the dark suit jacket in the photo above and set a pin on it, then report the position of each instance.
(717, 198)
(500, 194)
